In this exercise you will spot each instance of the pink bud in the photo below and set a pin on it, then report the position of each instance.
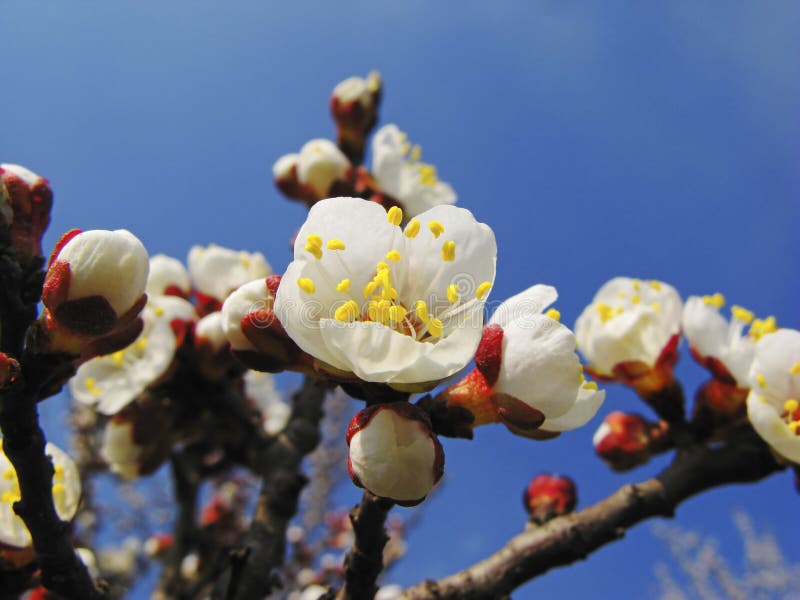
(625, 440)
(393, 452)
(549, 496)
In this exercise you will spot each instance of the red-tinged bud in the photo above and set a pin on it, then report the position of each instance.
(29, 201)
(393, 452)
(212, 347)
(168, 277)
(354, 106)
(9, 370)
(319, 171)
(719, 405)
(625, 440)
(549, 496)
(156, 545)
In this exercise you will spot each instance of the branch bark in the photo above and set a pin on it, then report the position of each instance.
(564, 540)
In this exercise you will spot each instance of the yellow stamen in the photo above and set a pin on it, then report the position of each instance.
(636, 284)
(9, 497)
(305, 284)
(416, 153)
(335, 244)
(635, 299)
(427, 175)
(314, 240)
(393, 255)
(795, 370)
(90, 382)
(370, 288)
(436, 228)
(449, 251)
(620, 310)
(397, 313)
(58, 472)
(412, 229)
(9, 474)
(314, 251)
(791, 406)
(395, 215)
(717, 300)
(794, 426)
(741, 314)
(483, 289)
(343, 285)
(656, 285)
(58, 490)
(762, 327)
(159, 311)
(421, 311)
(382, 266)
(452, 293)
(435, 327)
(141, 344)
(656, 306)
(553, 314)
(347, 312)
(605, 311)
(762, 381)
(590, 385)
(118, 357)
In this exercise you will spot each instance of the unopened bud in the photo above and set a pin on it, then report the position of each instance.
(625, 440)
(9, 370)
(319, 171)
(354, 106)
(393, 452)
(27, 203)
(549, 496)
(168, 277)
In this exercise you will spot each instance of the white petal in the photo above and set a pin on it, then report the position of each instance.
(532, 301)
(217, 271)
(539, 365)
(319, 164)
(705, 329)
(776, 355)
(28, 176)
(209, 329)
(166, 271)
(768, 424)
(585, 408)
(250, 297)
(388, 158)
(284, 165)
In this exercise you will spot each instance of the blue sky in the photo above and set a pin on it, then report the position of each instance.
(657, 140)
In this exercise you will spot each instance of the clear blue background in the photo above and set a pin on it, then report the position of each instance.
(655, 139)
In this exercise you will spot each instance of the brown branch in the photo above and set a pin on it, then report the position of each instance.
(564, 540)
(364, 562)
(250, 573)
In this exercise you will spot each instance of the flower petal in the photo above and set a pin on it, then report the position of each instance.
(770, 426)
(585, 408)
(532, 301)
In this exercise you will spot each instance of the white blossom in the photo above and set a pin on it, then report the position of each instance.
(167, 274)
(216, 271)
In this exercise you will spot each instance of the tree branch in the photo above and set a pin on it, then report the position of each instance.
(364, 562)
(564, 540)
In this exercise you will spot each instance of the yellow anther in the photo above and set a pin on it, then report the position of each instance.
(656, 285)
(635, 299)
(382, 266)
(762, 381)
(395, 215)
(58, 472)
(141, 344)
(9, 474)
(393, 255)
(452, 293)
(619, 310)
(795, 370)
(416, 153)
(405, 147)
(605, 311)
(159, 311)
(343, 285)
(427, 175)
(90, 383)
(347, 312)
(483, 289)
(636, 284)
(656, 306)
(791, 406)
(314, 251)
(314, 240)
(305, 284)
(436, 228)
(553, 314)
(335, 244)
(794, 426)
(118, 357)
(762, 327)
(590, 385)
(244, 261)
(397, 313)
(421, 311)
(717, 300)
(412, 229)
(741, 314)
(9, 497)
(59, 489)
(370, 288)
(449, 251)
(435, 327)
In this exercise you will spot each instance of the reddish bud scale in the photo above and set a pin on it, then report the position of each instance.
(31, 206)
(489, 355)
(63, 241)
(205, 304)
(273, 281)
(548, 496)
(647, 380)
(715, 366)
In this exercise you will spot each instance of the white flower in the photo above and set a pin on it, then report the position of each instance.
(629, 321)
(358, 89)
(209, 331)
(397, 169)
(109, 383)
(320, 164)
(259, 389)
(390, 305)
(217, 271)
(66, 494)
(773, 404)
(393, 452)
(111, 265)
(249, 298)
(167, 276)
(538, 363)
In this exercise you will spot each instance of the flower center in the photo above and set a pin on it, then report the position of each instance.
(393, 297)
(628, 300)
